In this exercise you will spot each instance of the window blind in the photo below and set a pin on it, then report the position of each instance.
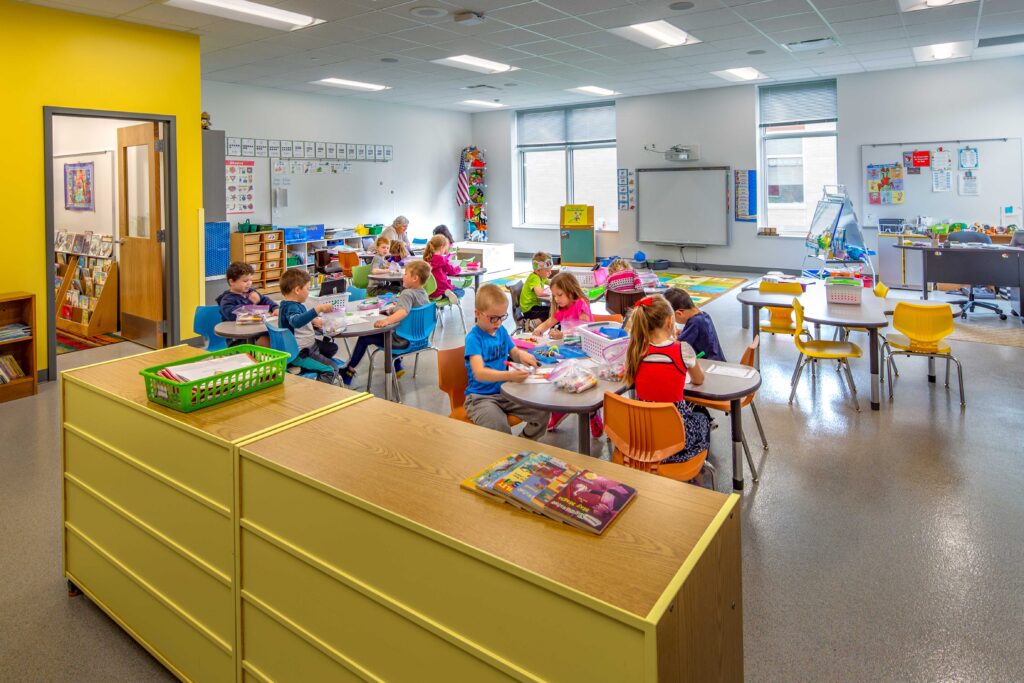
(562, 126)
(795, 103)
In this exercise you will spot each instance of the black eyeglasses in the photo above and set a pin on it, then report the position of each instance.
(495, 319)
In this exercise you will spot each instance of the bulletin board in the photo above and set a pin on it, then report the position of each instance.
(991, 169)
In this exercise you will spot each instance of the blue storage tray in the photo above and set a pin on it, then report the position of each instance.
(218, 247)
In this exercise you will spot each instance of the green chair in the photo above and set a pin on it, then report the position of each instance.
(442, 303)
(361, 276)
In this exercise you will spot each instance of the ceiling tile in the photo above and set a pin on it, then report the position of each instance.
(625, 16)
(562, 27)
(959, 27)
(792, 22)
(593, 40)
(381, 22)
(866, 25)
(427, 35)
(525, 15)
(769, 9)
(328, 10)
(862, 10)
(514, 36)
(583, 7)
(968, 10)
(103, 8)
(545, 47)
(873, 36)
(171, 15)
(1000, 6)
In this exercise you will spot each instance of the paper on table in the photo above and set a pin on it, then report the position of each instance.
(729, 371)
(190, 372)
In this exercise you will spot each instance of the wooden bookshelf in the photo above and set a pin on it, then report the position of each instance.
(19, 307)
(265, 252)
(101, 317)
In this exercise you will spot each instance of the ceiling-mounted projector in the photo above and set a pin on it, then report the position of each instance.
(683, 153)
(468, 18)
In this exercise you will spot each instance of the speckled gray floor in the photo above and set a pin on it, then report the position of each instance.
(878, 546)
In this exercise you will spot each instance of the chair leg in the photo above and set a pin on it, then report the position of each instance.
(960, 379)
(348, 349)
(799, 359)
(760, 429)
(714, 474)
(397, 388)
(853, 387)
(750, 461)
(416, 365)
(796, 377)
(947, 372)
(889, 364)
(369, 375)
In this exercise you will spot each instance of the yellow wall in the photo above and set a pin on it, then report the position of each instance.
(60, 59)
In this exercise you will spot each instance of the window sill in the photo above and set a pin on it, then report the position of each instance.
(781, 237)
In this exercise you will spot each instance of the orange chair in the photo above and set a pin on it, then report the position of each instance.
(644, 434)
(453, 380)
(748, 400)
(780, 320)
(347, 260)
(613, 318)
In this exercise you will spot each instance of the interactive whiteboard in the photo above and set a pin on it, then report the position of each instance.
(685, 206)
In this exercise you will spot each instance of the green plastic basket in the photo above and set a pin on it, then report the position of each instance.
(270, 368)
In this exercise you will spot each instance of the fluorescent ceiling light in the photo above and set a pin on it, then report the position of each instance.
(656, 35)
(594, 90)
(943, 51)
(353, 85)
(250, 12)
(482, 103)
(743, 73)
(915, 5)
(471, 63)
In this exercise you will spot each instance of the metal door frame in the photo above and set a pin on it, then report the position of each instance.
(172, 299)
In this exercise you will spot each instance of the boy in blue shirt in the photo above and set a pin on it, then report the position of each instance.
(240, 292)
(315, 353)
(488, 348)
(699, 330)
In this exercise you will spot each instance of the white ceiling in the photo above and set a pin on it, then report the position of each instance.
(559, 44)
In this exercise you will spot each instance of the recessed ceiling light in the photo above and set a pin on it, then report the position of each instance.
(250, 12)
(471, 63)
(352, 85)
(680, 6)
(943, 51)
(482, 103)
(915, 5)
(428, 12)
(594, 90)
(742, 73)
(656, 35)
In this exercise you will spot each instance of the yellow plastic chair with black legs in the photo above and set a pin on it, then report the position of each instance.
(780, 320)
(812, 349)
(921, 330)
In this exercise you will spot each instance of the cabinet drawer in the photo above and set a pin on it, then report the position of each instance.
(272, 265)
(273, 236)
(254, 258)
(272, 275)
(253, 248)
(272, 248)
(251, 239)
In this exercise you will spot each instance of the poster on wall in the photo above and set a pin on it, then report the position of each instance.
(286, 149)
(79, 186)
(746, 196)
(967, 183)
(234, 147)
(240, 185)
(389, 152)
(908, 164)
(378, 152)
(969, 158)
(274, 149)
(360, 152)
(350, 151)
(885, 183)
(248, 147)
(320, 150)
(332, 150)
(298, 149)
(261, 148)
(310, 150)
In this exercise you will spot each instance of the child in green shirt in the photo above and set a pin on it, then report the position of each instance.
(535, 300)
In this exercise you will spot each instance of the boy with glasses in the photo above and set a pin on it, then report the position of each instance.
(488, 350)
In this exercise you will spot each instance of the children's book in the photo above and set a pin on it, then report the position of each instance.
(94, 245)
(60, 241)
(79, 245)
(549, 486)
(589, 501)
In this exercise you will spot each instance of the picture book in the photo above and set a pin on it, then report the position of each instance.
(107, 246)
(483, 481)
(590, 501)
(94, 245)
(79, 244)
(60, 240)
(9, 369)
(549, 486)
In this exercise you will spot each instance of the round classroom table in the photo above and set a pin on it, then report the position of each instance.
(717, 386)
(232, 330)
(391, 278)
(364, 329)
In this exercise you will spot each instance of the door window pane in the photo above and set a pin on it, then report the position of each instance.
(543, 186)
(594, 182)
(137, 189)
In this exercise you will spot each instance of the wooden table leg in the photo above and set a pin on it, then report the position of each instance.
(583, 433)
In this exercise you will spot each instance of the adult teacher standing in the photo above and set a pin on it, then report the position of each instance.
(398, 231)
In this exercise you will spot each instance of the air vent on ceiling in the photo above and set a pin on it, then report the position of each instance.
(1001, 40)
(811, 45)
(479, 87)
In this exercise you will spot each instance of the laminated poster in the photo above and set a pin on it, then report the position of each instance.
(240, 183)
(969, 158)
(967, 183)
(942, 180)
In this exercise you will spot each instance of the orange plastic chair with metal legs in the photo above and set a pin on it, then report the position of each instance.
(611, 318)
(645, 434)
(453, 380)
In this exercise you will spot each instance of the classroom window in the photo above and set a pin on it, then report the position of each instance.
(798, 124)
(567, 156)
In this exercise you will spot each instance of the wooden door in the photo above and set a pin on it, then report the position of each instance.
(141, 229)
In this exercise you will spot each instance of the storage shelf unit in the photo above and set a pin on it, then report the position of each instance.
(101, 316)
(19, 307)
(264, 251)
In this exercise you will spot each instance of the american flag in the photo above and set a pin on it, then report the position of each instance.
(462, 186)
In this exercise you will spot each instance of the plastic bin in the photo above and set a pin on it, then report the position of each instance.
(841, 291)
(314, 232)
(593, 343)
(294, 234)
(270, 368)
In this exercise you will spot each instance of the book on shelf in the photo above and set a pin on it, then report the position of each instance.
(80, 245)
(61, 240)
(94, 245)
(13, 331)
(549, 486)
(9, 369)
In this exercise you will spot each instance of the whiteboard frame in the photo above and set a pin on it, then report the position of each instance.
(727, 176)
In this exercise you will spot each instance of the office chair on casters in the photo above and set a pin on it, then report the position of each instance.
(515, 291)
(969, 304)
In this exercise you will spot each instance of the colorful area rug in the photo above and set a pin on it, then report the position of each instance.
(701, 288)
(67, 342)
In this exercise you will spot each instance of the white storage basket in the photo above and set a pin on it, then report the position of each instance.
(843, 293)
(595, 344)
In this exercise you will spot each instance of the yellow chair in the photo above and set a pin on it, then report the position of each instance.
(812, 349)
(780, 320)
(920, 331)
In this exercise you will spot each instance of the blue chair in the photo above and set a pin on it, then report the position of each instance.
(283, 340)
(206, 318)
(357, 294)
(417, 327)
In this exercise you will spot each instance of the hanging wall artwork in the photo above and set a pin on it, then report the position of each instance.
(79, 187)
